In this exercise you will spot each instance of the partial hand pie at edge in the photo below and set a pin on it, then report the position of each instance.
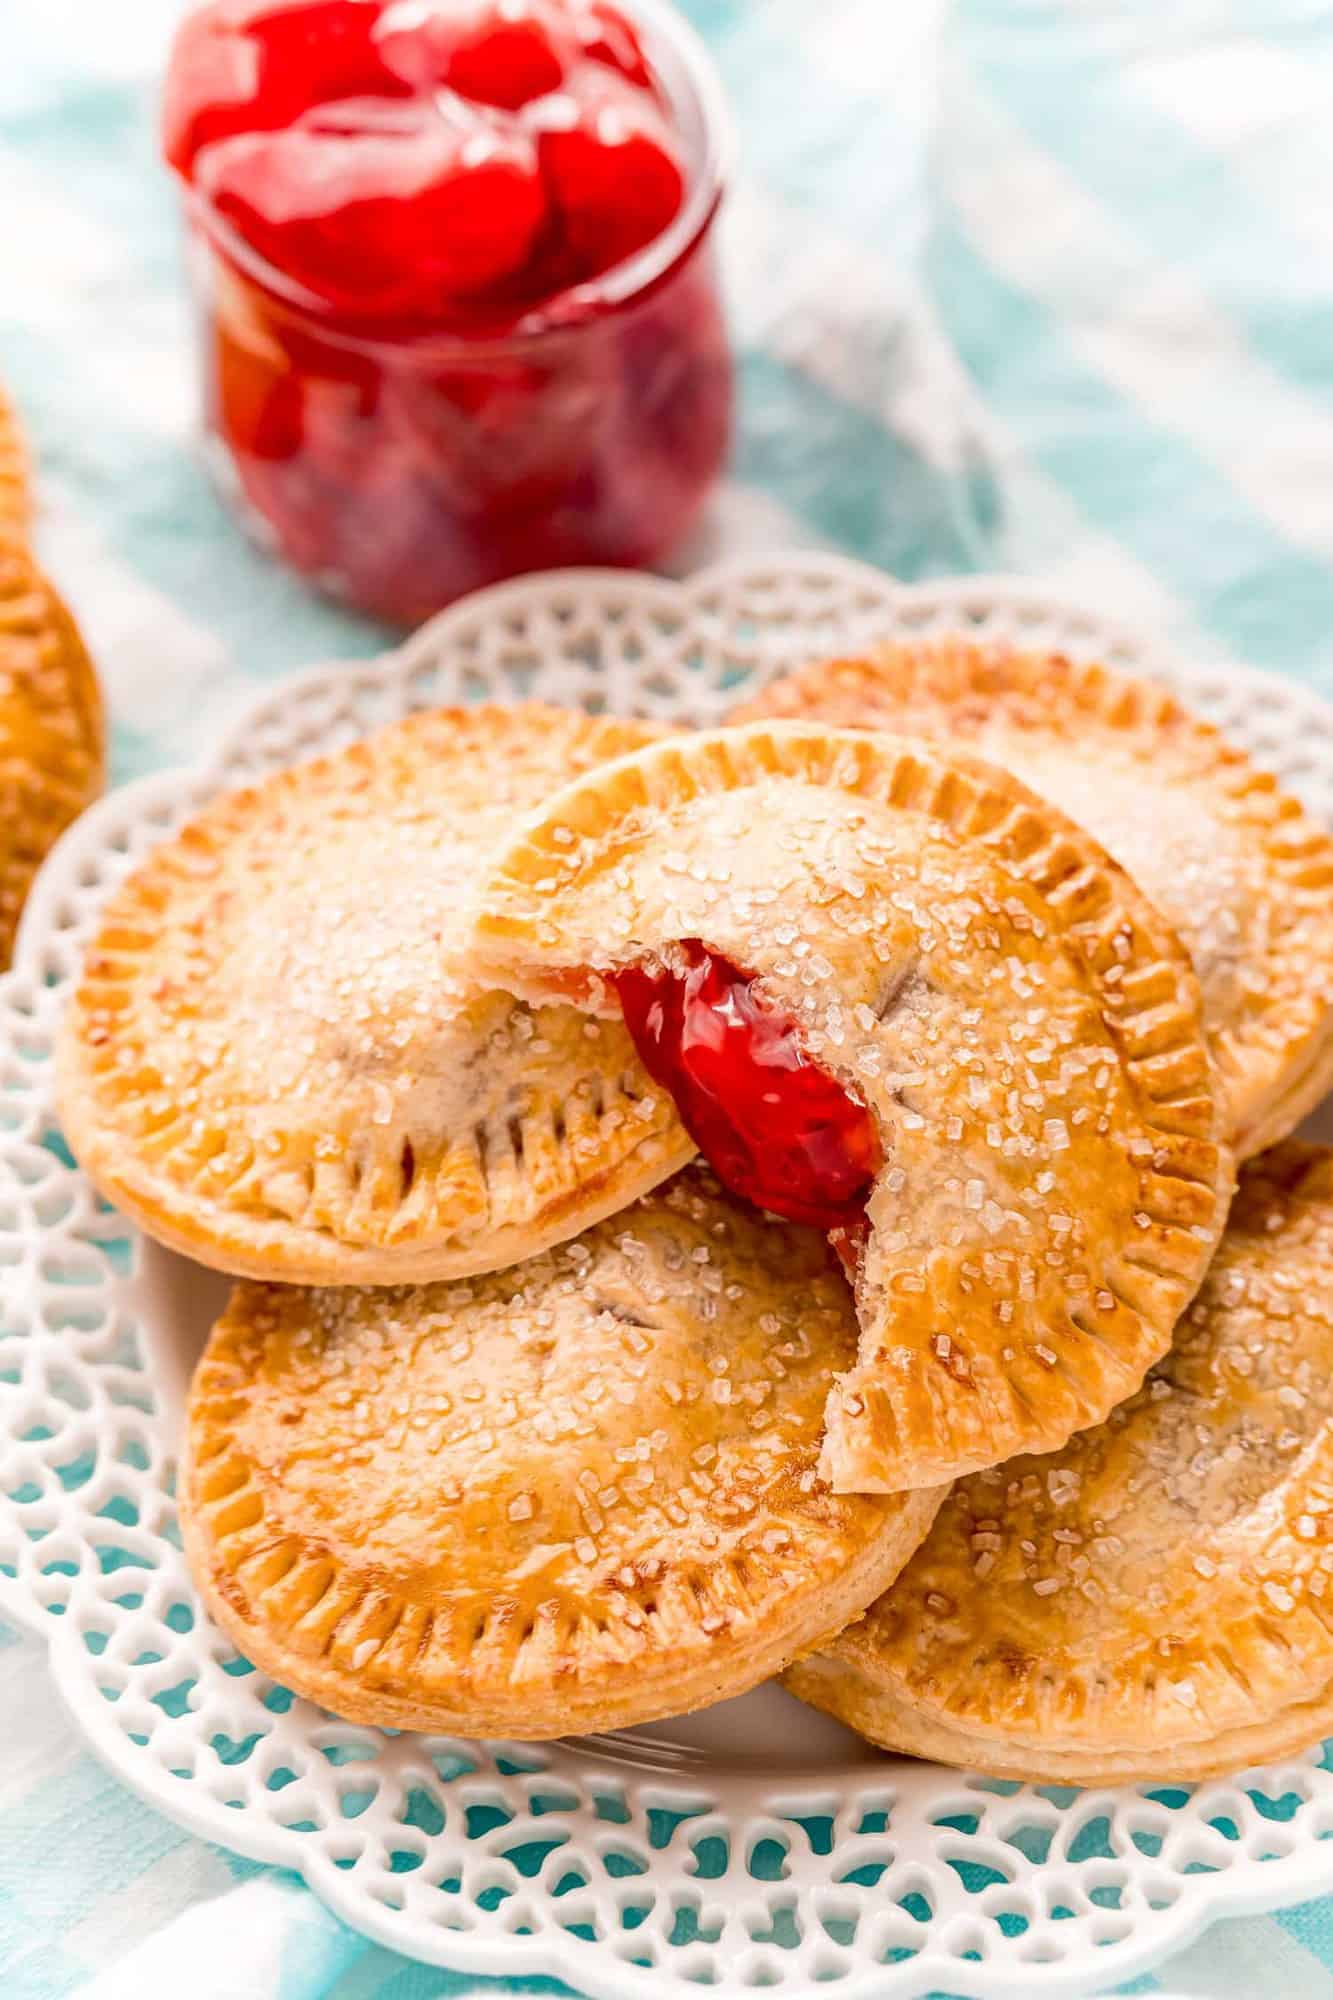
(1155, 1601)
(52, 734)
(1018, 1018)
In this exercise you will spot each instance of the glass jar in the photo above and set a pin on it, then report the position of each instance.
(399, 471)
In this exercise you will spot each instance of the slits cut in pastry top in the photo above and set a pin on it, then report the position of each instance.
(280, 1060)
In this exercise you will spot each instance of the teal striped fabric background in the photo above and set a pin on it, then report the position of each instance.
(1041, 285)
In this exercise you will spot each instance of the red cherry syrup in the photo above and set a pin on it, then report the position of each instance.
(384, 196)
(773, 1125)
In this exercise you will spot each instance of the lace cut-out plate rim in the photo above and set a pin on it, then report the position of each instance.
(691, 1854)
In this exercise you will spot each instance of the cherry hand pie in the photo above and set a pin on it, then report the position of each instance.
(895, 993)
(574, 1495)
(1241, 871)
(1155, 1601)
(281, 1061)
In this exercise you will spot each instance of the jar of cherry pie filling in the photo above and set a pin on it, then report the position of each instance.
(454, 273)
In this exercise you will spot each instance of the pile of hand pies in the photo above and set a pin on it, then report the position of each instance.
(760, 1200)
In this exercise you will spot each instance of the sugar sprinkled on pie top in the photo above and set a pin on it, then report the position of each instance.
(279, 1023)
(1213, 1476)
(1244, 876)
(575, 1441)
(946, 1001)
(619, 1436)
(1018, 1022)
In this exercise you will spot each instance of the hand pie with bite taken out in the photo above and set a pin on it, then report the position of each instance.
(895, 994)
(1154, 1601)
(573, 1495)
(280, 1061)
(51, 730)
(1234, 863)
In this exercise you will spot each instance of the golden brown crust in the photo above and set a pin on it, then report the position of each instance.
(1019, 1020)
(15, 489)
(279, 1061)
(578, 1494)
(52, 749)
(1156, 1599)
(1241, 871)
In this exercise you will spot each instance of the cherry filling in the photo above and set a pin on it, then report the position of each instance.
(774, 1126)
(405, 160)
(384, 197)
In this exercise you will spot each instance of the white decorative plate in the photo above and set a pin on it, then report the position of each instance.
(754, 1846)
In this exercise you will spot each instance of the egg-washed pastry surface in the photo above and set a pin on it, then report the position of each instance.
(1155, 1601)
(1017, 1019)
(1244, 874)
(280, 1060)
(578, 1494)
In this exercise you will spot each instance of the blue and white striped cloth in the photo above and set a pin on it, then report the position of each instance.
(1043, 285)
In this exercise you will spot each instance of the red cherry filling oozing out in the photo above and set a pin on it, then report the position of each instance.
(774, 1126)
(405, 159)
